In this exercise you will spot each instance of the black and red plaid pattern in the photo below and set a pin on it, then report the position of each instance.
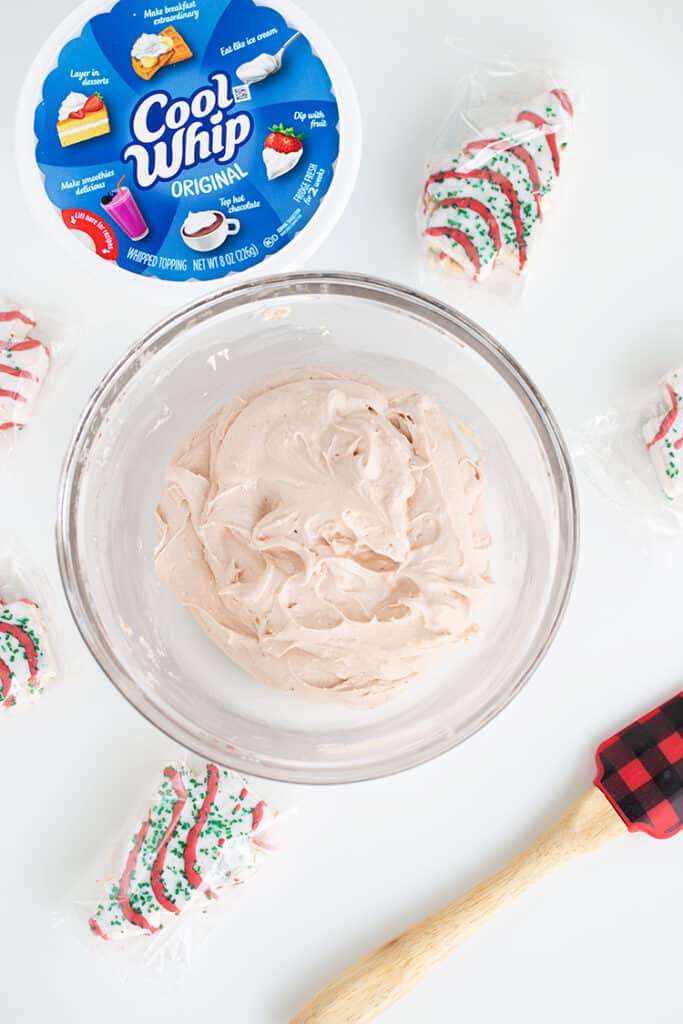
(640, 771)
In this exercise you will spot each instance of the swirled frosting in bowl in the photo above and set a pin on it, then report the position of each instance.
(328, 534)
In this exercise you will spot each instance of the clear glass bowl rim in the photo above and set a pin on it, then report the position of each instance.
(282, 286)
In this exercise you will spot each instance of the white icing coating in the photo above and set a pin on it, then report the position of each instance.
(151, 45)
(278, 164)
(664, 437)
(70, 104)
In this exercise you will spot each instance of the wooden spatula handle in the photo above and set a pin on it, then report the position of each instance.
(363, 991)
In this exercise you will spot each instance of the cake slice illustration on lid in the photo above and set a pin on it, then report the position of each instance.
(152, 52)
(82, 117)
(483, 207)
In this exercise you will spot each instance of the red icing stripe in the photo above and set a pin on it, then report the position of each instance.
(456, 235)
(564, 100)
(96, 930)
(14, 371)
(14, 395)
(5, 679)
(539, 122)
(679, 443)
(257, 815)
(476, 206)
(27, 345)
(506, 187)
(16, 314)
(25, 639)
(669, 420)
(162, 897)
(11, 426)
(193, 876)
(131, 915)
(503, 145)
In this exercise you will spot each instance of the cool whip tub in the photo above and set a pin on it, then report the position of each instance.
(235, 116)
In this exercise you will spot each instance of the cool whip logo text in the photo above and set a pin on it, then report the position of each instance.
(171, 135)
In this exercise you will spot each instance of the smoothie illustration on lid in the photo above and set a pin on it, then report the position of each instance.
(195, 140)
(124, 211)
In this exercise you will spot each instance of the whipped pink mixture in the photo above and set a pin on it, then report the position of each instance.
(327, 534)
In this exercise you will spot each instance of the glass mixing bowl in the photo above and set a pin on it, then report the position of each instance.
(150, 647)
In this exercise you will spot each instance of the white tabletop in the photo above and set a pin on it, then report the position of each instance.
(600, 940)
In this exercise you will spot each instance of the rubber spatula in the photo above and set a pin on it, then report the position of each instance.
(639, 787)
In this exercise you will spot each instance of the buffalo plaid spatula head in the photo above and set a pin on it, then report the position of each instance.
(640, 771)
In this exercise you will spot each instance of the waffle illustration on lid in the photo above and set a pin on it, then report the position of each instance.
(482, 208)
(152, 52)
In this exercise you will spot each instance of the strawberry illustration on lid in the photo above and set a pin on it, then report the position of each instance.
(282, 151)
(91, 106)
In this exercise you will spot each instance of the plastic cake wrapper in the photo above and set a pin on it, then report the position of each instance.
(25, 366)
(611, 452)
(505, 150)
(196, 833)
(28, 661)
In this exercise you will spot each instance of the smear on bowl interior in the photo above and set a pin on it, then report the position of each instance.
(328, 534)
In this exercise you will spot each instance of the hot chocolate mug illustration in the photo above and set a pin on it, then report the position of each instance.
(124, 211)
(206, 230)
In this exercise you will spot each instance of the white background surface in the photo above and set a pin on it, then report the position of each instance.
(600, 320)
